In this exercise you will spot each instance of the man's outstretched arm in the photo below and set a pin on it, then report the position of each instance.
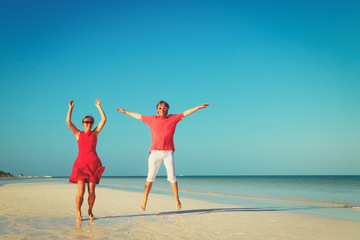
(131, 114)
(192, 110)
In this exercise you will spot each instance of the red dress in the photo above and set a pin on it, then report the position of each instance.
(87, 165)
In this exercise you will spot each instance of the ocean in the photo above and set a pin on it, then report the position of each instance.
(328, 196)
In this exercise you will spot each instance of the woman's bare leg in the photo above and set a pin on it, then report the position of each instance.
(80, 198)
(174, 187)
(91, 199)
(148, 186)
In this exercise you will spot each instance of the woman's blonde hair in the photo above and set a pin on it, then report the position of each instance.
(89, 116)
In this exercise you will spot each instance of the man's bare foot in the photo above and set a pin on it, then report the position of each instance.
(143, 205)
(178, 205)
(91, 215)
(78, 216)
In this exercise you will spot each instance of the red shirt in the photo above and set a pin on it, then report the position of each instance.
(162, 130)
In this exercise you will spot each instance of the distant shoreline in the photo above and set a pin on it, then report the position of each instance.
(6, 175)
(195, 176)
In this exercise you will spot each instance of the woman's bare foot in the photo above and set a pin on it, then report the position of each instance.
(178, 205)
(78, 223)
(78, 216)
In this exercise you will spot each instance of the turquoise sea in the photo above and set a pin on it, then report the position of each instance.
(329, 196)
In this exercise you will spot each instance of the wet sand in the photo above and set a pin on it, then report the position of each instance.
(47, 211)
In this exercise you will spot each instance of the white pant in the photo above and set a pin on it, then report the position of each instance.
(154, 162)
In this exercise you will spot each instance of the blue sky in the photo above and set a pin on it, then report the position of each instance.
(282, 79)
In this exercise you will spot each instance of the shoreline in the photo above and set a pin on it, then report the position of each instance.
(118, 215)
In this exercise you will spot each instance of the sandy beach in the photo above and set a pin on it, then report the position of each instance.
(47, 211)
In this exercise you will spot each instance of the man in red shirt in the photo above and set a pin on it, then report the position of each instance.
(162, 127)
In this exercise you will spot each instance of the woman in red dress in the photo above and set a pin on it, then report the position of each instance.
(87, 167)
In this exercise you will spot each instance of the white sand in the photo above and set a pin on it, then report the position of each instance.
(47, 211)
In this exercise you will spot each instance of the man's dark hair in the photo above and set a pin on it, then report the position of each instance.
(166, 104)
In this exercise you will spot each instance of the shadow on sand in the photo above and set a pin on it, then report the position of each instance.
(205, 211)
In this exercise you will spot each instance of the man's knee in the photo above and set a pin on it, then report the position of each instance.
(172, 179)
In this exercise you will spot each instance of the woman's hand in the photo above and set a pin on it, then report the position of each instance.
(71, 104)
(97, 103)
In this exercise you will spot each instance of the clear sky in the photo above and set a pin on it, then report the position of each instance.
(282, 79)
